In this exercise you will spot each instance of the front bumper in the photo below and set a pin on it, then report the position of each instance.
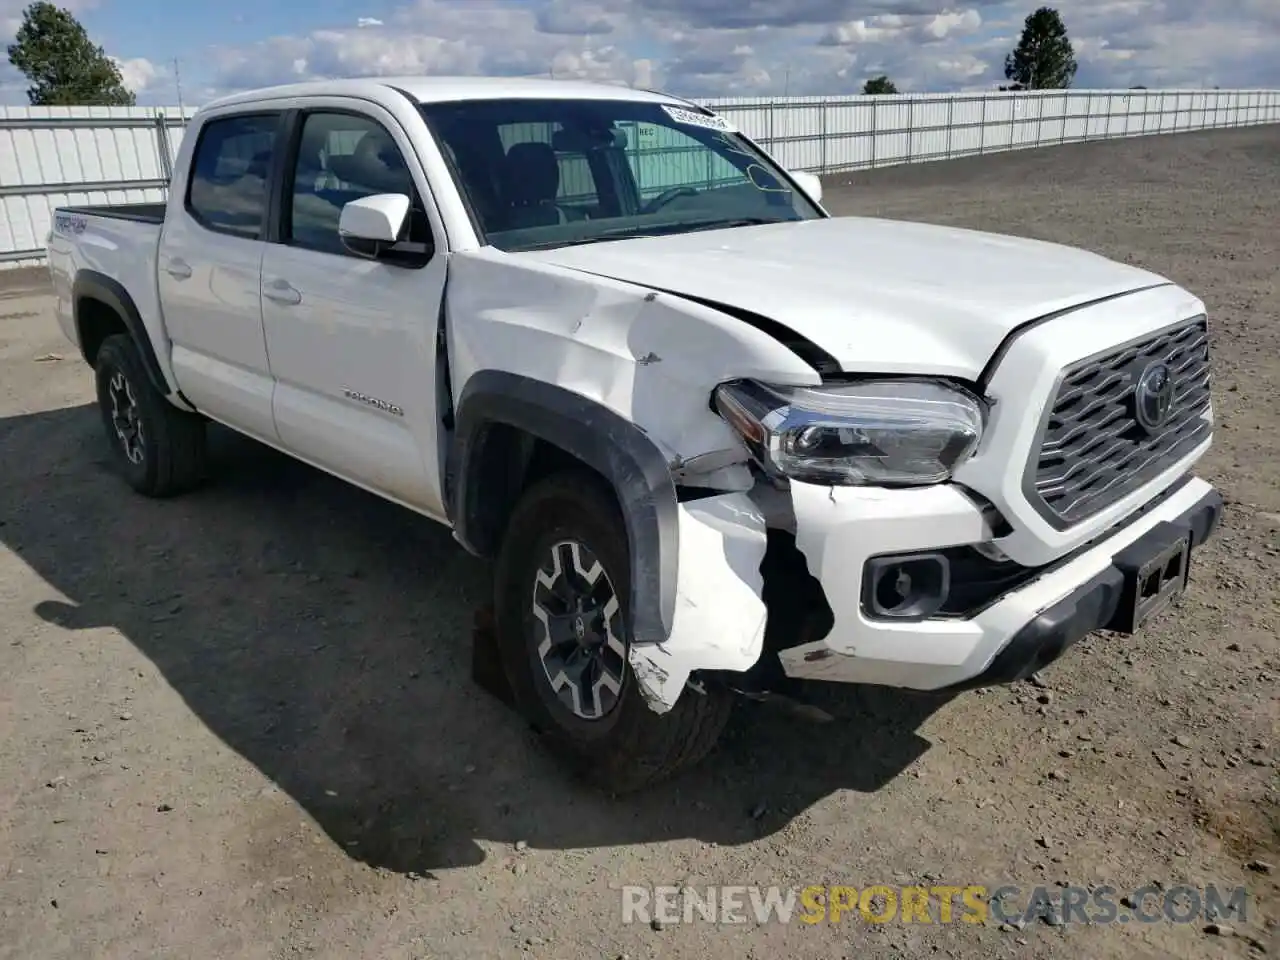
(840, 529)
(1099, 604)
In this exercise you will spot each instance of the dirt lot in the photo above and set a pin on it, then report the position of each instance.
(240, 724)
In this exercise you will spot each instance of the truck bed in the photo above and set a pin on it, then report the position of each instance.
(140, 212)
(108, 252)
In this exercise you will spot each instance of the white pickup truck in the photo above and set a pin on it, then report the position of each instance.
(710, 435)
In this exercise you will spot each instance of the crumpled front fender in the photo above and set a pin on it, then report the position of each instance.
(719, 615)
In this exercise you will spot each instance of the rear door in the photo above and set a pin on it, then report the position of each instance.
(209, 272)
(352, 341)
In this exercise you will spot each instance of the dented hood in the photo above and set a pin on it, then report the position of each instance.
(878, 295)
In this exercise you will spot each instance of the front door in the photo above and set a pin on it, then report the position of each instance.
(352, 341)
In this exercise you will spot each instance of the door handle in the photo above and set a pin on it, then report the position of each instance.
(281, 291)
(178, 269)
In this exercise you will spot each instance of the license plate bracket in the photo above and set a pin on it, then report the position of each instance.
(1156, 570)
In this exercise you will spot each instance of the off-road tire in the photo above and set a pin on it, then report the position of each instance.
(631, 747)
(166, 456)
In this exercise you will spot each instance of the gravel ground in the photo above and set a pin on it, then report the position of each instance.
(240, 724)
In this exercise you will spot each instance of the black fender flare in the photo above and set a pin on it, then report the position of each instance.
(609, 444)
(92, 285)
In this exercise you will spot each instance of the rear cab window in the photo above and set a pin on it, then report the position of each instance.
(227, 190)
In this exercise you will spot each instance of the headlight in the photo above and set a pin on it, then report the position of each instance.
(874, 432)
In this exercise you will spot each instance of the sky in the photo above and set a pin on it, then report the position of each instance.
(694, 48)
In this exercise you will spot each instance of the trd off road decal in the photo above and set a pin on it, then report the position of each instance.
(67, 223)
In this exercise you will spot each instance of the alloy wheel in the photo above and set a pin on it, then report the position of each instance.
(126, 417)
(579, 630)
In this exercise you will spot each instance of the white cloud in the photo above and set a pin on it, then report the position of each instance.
(444, 37)
(904, 29)
(368, 22)
(875, 30)
(574, 18)
(961, 68)
(138, 73)
(951, 23)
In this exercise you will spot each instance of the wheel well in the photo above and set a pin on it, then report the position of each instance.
(509, 461)
(96, 321)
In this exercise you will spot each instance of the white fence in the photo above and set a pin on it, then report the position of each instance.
(831, 134)
(58, 156)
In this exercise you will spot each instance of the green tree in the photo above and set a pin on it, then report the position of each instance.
(880, 84)
(1044, 58)
(64, 66)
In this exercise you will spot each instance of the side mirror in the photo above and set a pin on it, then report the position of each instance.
(810, 183)
(376, 227)
(378, 218)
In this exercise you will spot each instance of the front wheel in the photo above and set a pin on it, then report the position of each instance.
(562, 600)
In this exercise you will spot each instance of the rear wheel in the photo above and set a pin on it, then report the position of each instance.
(562, 602)
(159, 449)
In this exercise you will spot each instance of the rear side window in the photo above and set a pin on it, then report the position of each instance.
(227, 190)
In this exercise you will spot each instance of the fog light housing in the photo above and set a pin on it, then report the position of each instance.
(906, 586)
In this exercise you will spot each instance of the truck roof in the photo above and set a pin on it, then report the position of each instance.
(437, 89)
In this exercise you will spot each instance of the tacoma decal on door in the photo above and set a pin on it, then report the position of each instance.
(373, 402)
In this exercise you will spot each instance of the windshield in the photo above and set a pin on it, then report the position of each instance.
(554, 172)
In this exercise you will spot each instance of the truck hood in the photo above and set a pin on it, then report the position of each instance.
(880, 296)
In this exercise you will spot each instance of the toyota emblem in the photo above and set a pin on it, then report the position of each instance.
(1153, 397)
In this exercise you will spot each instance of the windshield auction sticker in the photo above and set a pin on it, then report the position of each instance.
(692, 118)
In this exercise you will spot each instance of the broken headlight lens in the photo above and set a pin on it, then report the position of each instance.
(899, 432)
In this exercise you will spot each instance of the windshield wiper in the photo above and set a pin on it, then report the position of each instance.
(580, 241)
(733, 222)
(688, 226)
(640, 233)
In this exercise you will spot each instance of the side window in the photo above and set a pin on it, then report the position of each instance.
(342, 157)
(227, 190)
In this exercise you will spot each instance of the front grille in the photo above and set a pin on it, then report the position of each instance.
(1093, 450)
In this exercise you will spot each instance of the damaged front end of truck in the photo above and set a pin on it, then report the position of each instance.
(730, 442)
(755, 566)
